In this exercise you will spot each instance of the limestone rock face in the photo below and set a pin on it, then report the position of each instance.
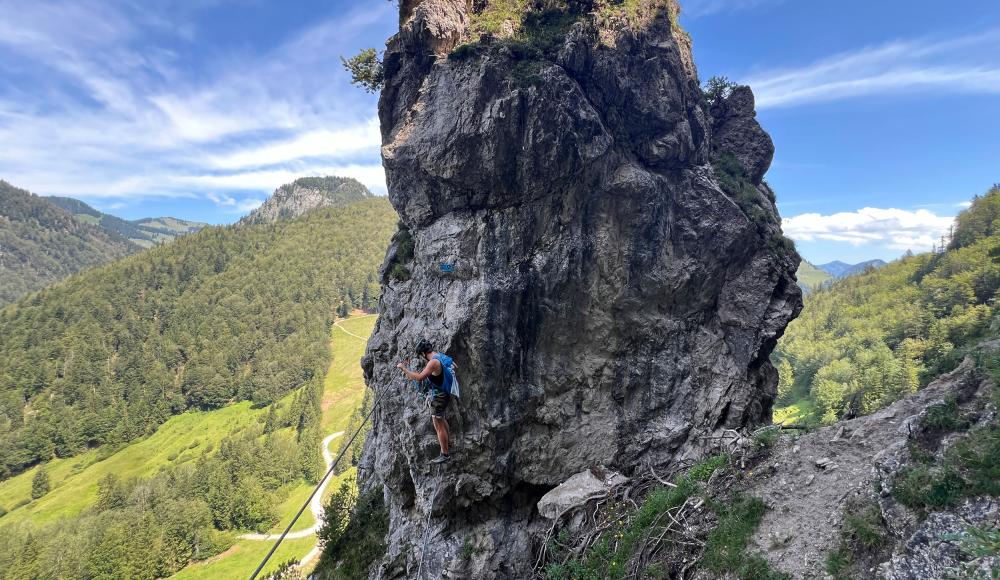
(606, 302)
(737, 131)
(305, 194)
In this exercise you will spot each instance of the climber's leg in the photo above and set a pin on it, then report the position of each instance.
(438, 406)
(441, 427)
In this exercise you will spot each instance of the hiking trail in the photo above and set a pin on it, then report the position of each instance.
(315, 506)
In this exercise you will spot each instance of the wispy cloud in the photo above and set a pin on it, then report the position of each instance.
(112, 100)
(896, 229)
(958, 65)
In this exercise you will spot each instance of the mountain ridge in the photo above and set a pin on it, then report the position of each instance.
(177, 333)
(42, 243)
(839, 269)
(145, 232)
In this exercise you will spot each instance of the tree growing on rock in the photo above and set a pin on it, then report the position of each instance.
(366, 70)
(718, 88)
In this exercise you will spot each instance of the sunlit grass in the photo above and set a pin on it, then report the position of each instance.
(184, 438)
(795, 414)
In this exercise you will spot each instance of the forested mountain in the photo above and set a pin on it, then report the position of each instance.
(875, 337)
(225, 314)
(41, 243)
(307, 193)
(145, 232)
(810, 277)
(839, 269)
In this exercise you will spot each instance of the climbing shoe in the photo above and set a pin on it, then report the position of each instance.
(441, 458)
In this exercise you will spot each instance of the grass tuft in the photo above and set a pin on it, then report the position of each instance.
(861, 536)
(703, 470)
(726, 550)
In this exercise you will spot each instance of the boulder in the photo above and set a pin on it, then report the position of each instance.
(578, 490)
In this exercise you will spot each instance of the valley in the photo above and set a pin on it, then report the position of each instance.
(189, 436)
(343, 392)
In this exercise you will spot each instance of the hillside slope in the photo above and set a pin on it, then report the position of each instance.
(41, 243)
(75, 523)
(305, 194)
(880, 335)
(810, 277)
(146, 232)
(223, 315)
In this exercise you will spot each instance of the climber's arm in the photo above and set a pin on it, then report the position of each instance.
(431, 365)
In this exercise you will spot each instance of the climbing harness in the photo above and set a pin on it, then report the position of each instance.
(329, 472)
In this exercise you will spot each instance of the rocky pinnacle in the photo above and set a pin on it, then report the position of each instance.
(592, 242)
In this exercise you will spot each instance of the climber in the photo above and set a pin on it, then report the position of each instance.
(439, 373)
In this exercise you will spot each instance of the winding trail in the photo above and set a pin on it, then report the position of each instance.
(337, 324)
(315, 506)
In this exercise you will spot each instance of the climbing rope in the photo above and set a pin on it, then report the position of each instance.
(427, 527)
(329, 472)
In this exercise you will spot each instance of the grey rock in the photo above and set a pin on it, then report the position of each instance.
(935, 548)
(606, 302)
(578, 490)
(737, 131)
(866, 470)
(306, 194)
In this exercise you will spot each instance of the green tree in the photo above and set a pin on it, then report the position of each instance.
(718, 88)
(366, 70)
(111, 494)
(40, 483)
(786, 381)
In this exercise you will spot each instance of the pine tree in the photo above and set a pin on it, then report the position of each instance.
(786, 380)
(271, 421)
(40, 483)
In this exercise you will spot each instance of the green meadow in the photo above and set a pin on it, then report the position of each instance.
(184, 438)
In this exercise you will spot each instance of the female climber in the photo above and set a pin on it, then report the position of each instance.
(439, 372)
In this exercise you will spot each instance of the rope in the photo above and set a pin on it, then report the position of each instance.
(320, 484)
(427, 527)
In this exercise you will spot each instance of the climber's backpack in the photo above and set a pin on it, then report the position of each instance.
(450, 380)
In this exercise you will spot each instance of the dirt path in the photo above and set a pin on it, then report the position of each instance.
(337, 324)
(808, 480)
(315, 506)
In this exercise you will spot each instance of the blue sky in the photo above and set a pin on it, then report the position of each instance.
(884, 113)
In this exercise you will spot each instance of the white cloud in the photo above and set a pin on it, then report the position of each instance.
(314, 144)
(107, 109)
(959, 65)
(373, 176)
(222, 200)
(897, 229)
(249, 204)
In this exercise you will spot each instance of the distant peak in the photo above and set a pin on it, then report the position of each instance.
(839, 269)
(306, 194)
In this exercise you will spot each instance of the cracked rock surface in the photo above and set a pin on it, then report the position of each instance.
(606, 302)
